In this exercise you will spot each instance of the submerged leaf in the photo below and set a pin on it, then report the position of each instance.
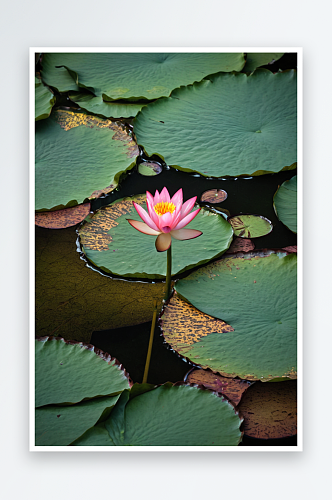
(270, 410)
(60, 219)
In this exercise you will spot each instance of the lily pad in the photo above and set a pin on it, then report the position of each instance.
(229, 125)
(285, 203)
(108, 109)
(68, 372)
(256, 295)
(168, 415)
(114, 246)
(77, 154)
(214, 196)
(44, 100)
(270, 410)
(60, 425)
(72, 301)
(133, 75)
(149, 168)
(233, 388)
(257, 59)
(241, 245)
(60, 219)
(250, 226)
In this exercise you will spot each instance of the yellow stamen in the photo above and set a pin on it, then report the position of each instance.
(163, 207)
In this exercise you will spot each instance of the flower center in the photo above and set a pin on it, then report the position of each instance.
(163, 207)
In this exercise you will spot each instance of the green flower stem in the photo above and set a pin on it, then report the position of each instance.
(148, 356)
(168, 274)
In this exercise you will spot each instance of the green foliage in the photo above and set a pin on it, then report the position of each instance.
(285, 203)
(257, 297)
(44, 100)
(231, 124)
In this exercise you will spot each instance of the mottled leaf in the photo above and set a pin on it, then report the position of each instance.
(214, 196)
(257, 296)
(108, 109)
(77, 154)
(60, 219)
(241, 245)
(231, 387)
(114, 246)
(250, 226)
(270, 410)
(149, 168)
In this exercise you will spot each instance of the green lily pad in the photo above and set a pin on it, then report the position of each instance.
(168, 415)
(114, 246)
(77, 154)
(108, 109)
(149, 168)
(60, 425)
(256, 296)
(68, 372)
(250, 226)
(133, 75)
(44, 100)
(229, 125)
(285, 203)
(257, 59)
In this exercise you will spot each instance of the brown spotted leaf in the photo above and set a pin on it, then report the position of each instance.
(270, 410)
(231, 387)
(214, 196)
(60, 219)
(183, 325)
(241, 245)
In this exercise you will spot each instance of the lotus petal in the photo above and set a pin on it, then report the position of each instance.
(142, 227)
(185, 234)
(163, 242)
(188, 218)
(164, 195)
(145, 217)
(187, 206)
(177, 199)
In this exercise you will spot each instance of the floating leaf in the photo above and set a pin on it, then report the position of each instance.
(231, 124)
(108, 109)
(183, 325)
(44, 100)
(77, 154)
(214, 196)
(60, 425)
(270, 410)
(167, 415)
(231, 387)
(250, 226)
(59, 219)
(257, 59)
(149, 168)
(114, 246)
(72, 301)
(68, 372)
(241, 245)
(285, 203)
(257, 296)
(133, 75)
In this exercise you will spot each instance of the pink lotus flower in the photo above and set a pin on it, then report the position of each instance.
(166, 218)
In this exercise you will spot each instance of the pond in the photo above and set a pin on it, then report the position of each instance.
(79, 300)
